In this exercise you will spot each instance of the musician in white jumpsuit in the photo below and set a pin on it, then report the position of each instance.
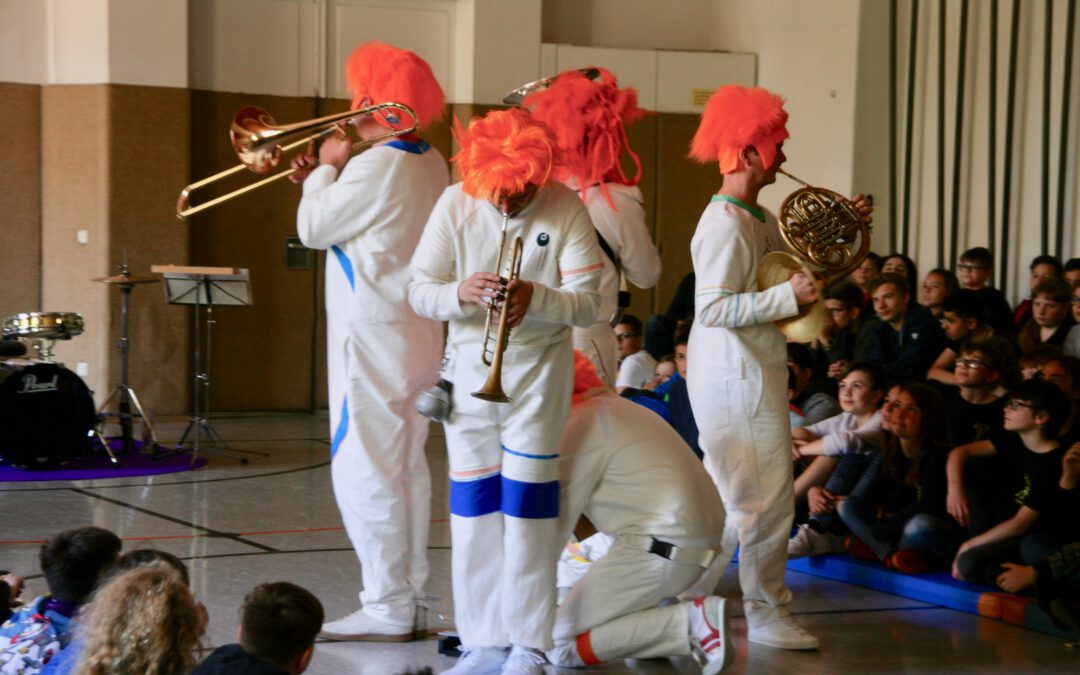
(368, 213)
(737, 361)
(504, 488)
(637, 481)
(589, 119)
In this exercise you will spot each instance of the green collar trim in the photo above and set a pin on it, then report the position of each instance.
(755, 211)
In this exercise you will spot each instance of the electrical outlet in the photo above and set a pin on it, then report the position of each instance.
(82, 368)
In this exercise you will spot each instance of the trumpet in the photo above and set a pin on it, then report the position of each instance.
(824, 230)
(257, 140)
(492, 390)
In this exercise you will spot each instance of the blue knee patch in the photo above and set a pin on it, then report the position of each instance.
(475, 497)
(530, 500)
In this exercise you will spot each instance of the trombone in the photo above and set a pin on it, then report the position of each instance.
(257, 140)
(492, 390)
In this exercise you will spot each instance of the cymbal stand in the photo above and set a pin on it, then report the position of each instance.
(124, 391)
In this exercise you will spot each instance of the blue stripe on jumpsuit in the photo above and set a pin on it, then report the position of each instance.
(346, 265)
(342, 428)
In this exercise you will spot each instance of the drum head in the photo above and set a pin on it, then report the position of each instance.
(46, 413)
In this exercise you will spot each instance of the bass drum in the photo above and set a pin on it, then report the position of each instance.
(46, 414)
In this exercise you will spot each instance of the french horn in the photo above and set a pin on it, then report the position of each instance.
(828, 239)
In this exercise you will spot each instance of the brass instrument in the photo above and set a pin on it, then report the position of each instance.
(518, 96)
(492, 390)
(824, 230)
(257, 140)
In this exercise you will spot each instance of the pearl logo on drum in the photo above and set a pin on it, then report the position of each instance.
(30, 385)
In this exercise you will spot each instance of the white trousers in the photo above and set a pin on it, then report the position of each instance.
(613, 612)
(379, 471)
(504, 496)
(745, 433)
(597, 342)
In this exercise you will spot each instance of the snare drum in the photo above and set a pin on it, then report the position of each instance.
(50, 325)
(46, 414)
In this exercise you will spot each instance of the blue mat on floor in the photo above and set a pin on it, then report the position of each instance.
(937, 589)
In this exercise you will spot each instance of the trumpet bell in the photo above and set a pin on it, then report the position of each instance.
(777, 268)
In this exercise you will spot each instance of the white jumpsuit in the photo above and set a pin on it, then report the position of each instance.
(634, 477)
(504, 488)
(626, 232)
(737, 382)
(380, 357)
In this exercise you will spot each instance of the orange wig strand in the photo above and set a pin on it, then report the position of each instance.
(739, 117)
(502, 153)
(585, 377)
(379, 73)
(589, 120)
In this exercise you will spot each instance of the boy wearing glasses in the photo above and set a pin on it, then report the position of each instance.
(975, 272)
(962, 319)
(1034, 413)
(636, 365)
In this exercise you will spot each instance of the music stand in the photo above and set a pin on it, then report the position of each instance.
(204, 287)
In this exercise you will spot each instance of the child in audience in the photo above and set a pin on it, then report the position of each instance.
(905, 483)
(1051, 317)
(975, 271)
(1071, 272)
(143, 621)
(1031, 364)
(962, 320)
(1064, 372)
(939, 284)
(1034, 413)
(278, 625)
(835, 348)
(898, 263)
(70, 562)
(1072, 340)
(664, 370)
(840, 447)
(1042, 267)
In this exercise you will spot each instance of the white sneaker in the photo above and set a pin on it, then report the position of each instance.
(524, 661)
(710, 618)
(808, 541)
(479, 661)
(359, 627)
(783, 633)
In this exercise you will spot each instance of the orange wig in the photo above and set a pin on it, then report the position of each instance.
(379, 73)
(739, 117)
(502, 153)
(589, 120)
(585, 377)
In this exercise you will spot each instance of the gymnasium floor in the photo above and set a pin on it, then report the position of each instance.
(275, 519)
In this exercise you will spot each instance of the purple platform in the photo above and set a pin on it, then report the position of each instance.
(96, 466)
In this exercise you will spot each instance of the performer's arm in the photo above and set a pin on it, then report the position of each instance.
(335, 208)
(577, 299)
(634, 244)
(723, 261)
(433, 289)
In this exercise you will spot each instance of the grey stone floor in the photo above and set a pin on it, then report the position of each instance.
(275, 519)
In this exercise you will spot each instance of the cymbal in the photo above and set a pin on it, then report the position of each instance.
(128, 279)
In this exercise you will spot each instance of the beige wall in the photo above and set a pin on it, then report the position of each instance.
(20, 195)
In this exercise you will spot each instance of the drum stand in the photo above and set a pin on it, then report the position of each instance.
(124, 391)
(199, 287)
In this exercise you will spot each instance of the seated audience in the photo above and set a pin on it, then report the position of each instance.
(635, 364)
(142, 621)
(1042, 267)
(974, 271)
(1031, 364)
(841, 448)
(1051, 317)
(71, 563)
(897, 509)
(278, 625)
(869, 268)
(1072, 272)
(1072, 340)
(65, 662)
(898, 263)
(961, 320)
(659, 328)
(11, 586)
(909, 338)
(665, 369)
(835, 348)
(811, 406)
(939, 284)
(1042, 524)
(1064, 373)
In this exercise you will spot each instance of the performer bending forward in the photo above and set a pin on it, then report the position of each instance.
(369, 212)
(504, 488)
(588, 119)
(737, 362)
